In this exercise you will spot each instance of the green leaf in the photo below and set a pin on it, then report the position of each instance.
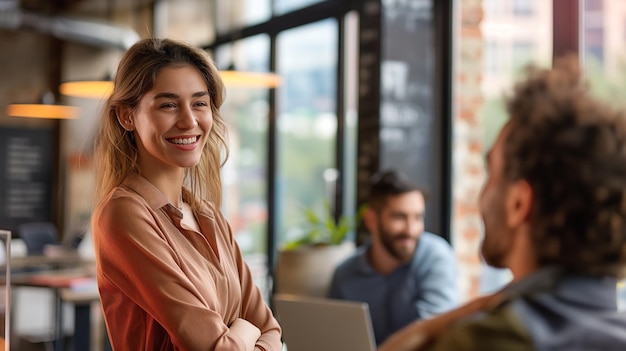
(323, 229)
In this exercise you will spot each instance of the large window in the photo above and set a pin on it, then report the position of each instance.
(285, 141)
(246, 112)
(489, 57)
(292, 146)
(307, 122)
(523, 36)
(603, 48)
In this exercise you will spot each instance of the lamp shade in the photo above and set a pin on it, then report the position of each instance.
(42, 111)
(93, 89)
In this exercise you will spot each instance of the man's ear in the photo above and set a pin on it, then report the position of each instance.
(125, 118)
(369, 219)
(519, 203)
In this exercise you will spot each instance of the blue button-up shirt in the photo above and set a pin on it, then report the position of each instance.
(424, 287)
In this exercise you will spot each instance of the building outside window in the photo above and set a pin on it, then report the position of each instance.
(489, 53)
(246, 112)
(603, 49)
(307, 124)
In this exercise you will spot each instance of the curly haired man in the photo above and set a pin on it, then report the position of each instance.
(554, 210)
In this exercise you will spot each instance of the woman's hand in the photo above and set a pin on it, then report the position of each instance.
(246, 331)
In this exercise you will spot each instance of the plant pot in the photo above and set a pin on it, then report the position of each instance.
(308, 270)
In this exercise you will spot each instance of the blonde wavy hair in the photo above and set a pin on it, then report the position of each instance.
(115, 148)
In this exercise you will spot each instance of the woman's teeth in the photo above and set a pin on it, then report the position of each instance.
(184, 141)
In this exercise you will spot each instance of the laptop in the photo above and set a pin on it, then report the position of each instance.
(314, 324)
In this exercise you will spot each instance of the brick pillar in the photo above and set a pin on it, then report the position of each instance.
(467, 146)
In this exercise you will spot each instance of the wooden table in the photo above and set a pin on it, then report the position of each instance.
(71, 260)
(60, 273)
(58, 281)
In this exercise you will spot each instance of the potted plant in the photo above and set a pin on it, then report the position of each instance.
(305, 265)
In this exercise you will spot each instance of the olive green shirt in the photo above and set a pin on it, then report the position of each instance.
(500, 330)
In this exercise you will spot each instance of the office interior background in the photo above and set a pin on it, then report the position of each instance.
(416, 85)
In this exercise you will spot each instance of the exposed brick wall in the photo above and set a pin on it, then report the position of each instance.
(467, 146)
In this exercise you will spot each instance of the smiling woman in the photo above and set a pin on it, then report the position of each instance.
(170, 273)
(171, 124)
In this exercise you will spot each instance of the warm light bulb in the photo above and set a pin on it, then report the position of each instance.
(250, 79)
(42, 111)
(95, 89)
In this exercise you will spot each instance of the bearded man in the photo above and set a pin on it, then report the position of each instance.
(403, 272)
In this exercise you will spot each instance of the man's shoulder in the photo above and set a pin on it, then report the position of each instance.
(573, 316)
(434, 239)
(525, 323)
(433, 245)
(497, 329)
(352, 262)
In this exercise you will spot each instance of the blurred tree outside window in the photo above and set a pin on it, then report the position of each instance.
(604, 48)
(511, 34)
(306, 122)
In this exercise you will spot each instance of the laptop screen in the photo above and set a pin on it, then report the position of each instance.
(313, 324)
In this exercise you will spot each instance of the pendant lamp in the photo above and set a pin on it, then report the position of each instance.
(234, 78)
(93, 89)
(47, 109)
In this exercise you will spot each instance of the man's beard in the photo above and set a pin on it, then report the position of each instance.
(388, 240)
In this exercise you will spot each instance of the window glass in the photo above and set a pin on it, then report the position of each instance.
(246, 111)
(510, 43)
(603, 26)
(523, 7)
(520, 35)
(306, 122)
(172, 18)
(348, 175)
(603, 48)
(284, 6)
(492, 51)
(231, 15)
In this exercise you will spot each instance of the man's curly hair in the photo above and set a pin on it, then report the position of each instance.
(571, 148)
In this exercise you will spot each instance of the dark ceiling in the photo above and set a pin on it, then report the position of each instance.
(91, 22)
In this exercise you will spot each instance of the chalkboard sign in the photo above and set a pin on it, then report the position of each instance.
(409, 137)
(26, 176)
(398, 126)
